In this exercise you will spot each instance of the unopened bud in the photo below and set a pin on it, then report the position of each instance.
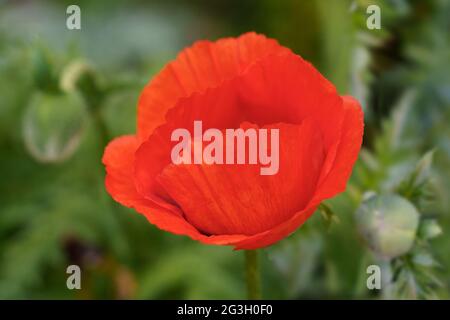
(388, 223)
(52, 126)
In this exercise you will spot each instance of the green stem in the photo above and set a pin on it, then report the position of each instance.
(102, 130)
(252, 273)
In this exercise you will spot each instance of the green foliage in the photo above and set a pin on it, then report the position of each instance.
(194, 273)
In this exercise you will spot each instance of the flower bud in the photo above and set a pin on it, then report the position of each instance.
(52, 126)
(388, 223)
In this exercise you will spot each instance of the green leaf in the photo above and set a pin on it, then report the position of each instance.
(43, 72)
(415, 186)
(422, 172)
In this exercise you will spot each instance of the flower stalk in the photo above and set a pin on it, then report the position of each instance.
(252, 274)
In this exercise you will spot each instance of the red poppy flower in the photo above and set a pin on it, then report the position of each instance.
(233, 83)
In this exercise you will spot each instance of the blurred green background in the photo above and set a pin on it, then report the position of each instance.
(65, 93)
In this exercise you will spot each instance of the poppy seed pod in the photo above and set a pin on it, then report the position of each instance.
(388, 223)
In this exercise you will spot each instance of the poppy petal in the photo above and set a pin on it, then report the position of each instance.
(274, 235)
(286, 88)
(119, 162)
(208, 196)
(118, 159)
(204, 65)
(342, 156)
(293, 91)
(217, 108)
